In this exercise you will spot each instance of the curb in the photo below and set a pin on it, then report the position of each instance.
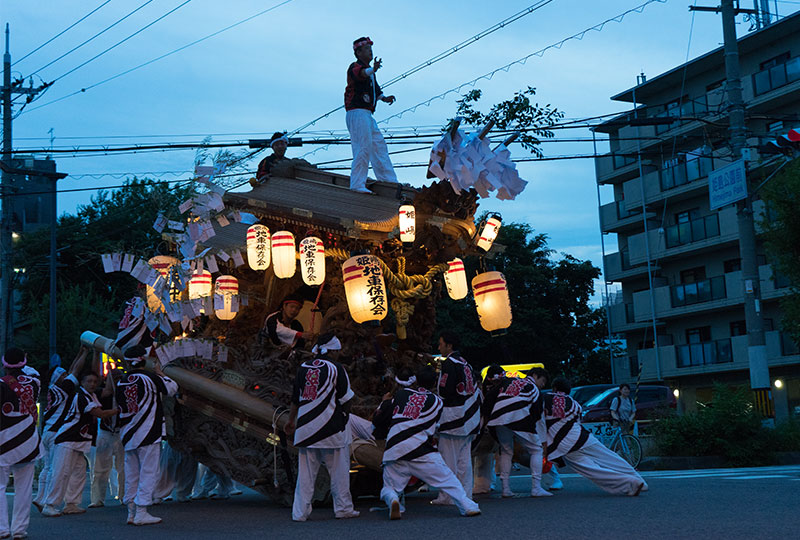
(708, 462)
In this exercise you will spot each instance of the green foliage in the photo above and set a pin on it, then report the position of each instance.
(553, 322)
(517, 113)
(120, 220)
(80, 308)
(729, 427)
(782, 226)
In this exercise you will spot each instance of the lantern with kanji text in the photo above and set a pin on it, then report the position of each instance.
(258, 248)
(365, 289)
(407, 223)
(489, 232)
(312, 260)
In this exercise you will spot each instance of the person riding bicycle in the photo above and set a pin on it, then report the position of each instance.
(623, 409)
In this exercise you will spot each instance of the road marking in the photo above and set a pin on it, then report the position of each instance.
(758, 477)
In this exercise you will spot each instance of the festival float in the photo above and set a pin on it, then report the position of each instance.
(368, 267)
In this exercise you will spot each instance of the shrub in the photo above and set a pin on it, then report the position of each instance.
(729, 427)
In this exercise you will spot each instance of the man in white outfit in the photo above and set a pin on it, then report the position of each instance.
(360, 97)
(318, 419)
(108, 450)
(139, 396)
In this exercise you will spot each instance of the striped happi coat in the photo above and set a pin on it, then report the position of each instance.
(563, 420)
(74, 426)
(408, 421)
(141, 411)
(19, 438)
(321, 389)
(513, 403)
(461, 395)
(57, 399)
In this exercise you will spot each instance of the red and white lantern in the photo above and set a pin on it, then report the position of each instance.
(226, 297)
(258, 247)
(407, 218)
(200, 285)
(491, 300)
(489, 232)
(365, 289)
(455, 278)
(312, 260)
(284, 256)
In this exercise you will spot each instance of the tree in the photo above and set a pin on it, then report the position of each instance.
(517, 113)
(553, 322)
(782, 225)
(120, 220)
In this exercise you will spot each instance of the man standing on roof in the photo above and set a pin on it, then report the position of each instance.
(278, 142)
(360, 98)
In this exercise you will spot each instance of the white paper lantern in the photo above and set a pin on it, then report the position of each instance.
(258, 248)
(365, 289)
(200, 285)
(161, 263)
(491, 300)
(284, 259)
(489, 232)
(226, 297)
(408, 223)
(456, 279)
(312, 260)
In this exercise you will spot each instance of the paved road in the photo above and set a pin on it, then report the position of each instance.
(718, 503)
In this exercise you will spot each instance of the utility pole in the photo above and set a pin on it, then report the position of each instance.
(756, 344)
(7, 211)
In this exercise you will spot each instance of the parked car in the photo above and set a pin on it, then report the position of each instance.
(582, 394)
(649, 399)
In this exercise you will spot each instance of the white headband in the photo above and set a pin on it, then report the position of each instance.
(56, 374)
(411, 380)
(333, 345)
(284, 139)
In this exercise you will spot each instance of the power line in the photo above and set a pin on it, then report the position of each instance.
(104, 30)
(170, 53)
(120, 42)
(469, 41)
(62, 32)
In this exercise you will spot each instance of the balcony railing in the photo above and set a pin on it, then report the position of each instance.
(708, 353)
(694, 107)
(629, 317)
(621, 160)
(692, 231)
(696, 293)
(623, 212)
(625, 256)
(776, 76)
(788, 345)
(688, 171)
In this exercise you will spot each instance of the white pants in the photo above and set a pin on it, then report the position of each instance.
(23, 493)
(47, 465)
(68, 476)
(530, 441)
(456, 452)
(483, 470)
(337, 461)
(211, 481)
(368, 147)
(141, 474)
(430, 469)
(109, 451)
(605, 468)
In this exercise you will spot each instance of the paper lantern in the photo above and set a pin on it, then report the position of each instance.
(258, 247)
(284, 259)
(491, 300)
(455, 278)
(312, 260)
(408, 223)
(364, 288)
(161, 263)
(226, 297)
(489, 232)
(200, 285)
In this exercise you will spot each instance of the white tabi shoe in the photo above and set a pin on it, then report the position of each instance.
(131, 513)
(539, 492)
(143, 518)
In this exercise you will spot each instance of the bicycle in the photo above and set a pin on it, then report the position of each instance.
(626, 446)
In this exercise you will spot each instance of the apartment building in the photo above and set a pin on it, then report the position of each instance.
(684, 323)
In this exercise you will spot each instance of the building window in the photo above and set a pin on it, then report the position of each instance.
(686, 216)
(776, 72)
(732, 265)
(698, 335)
(738, 328)
(769, 325)
(693, 275)
(774, 61)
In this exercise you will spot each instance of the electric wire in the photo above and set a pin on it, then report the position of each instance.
(165, 55)
(62, 32)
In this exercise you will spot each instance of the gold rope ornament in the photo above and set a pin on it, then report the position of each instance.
(402, 286)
